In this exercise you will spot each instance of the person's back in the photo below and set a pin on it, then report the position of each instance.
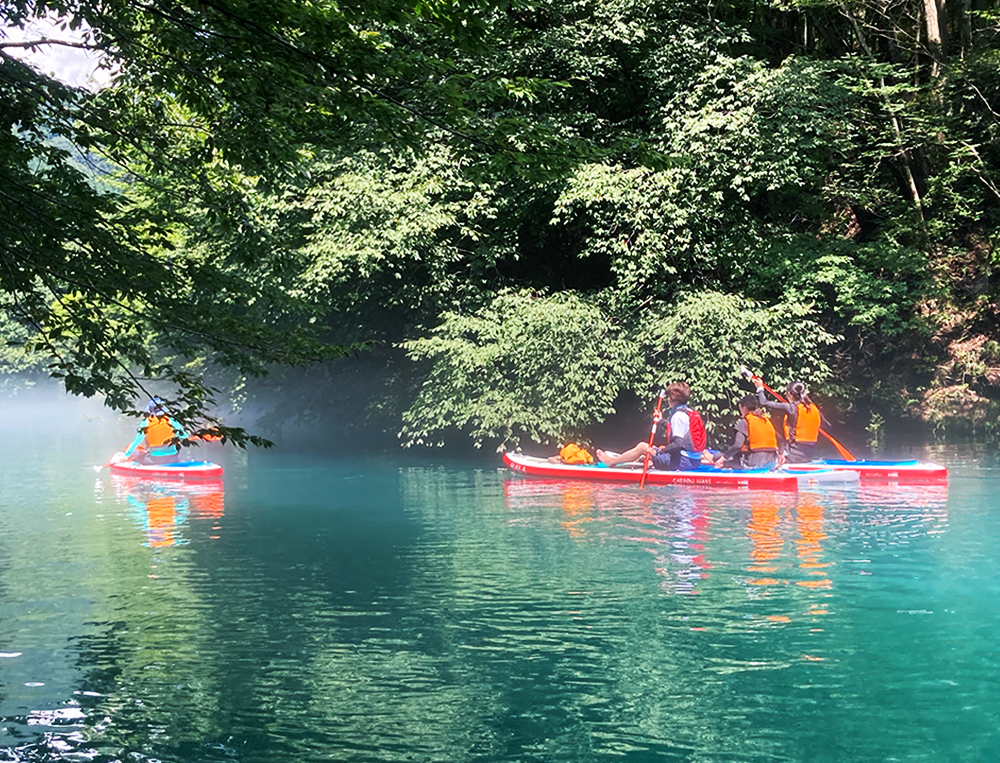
(155, 441)
(682, 429)
(685, 433)
(760, 451)
(803, 429)
(755, 443)
(800, 420)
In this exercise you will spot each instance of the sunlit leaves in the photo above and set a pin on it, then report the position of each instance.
(706, 337)
(403, 233)
(527, 366)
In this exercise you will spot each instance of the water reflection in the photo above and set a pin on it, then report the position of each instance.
(809, 522)
(674, 532)
(455, 615)
(162, 508)
(893, 503)
(765, 539)
(788, 534)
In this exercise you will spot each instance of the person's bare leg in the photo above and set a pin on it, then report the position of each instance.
(639, 451)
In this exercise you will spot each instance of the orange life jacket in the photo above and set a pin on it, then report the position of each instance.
(159, 431)
(761, 434)
(807, 424)
(574, 454)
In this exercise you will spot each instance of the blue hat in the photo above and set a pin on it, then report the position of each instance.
(155, 407)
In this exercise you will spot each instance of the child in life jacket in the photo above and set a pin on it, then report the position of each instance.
(155, 440)
(681, 428)
(756, 444)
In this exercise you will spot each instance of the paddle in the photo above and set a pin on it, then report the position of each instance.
(114, 460)
(840, 448)
(652, 434)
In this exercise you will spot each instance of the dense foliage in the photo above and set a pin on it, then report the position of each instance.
(524, 217)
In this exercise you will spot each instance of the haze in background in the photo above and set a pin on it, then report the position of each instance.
(45, 410)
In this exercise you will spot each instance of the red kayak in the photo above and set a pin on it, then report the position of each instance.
(179, 470)
(708, 475)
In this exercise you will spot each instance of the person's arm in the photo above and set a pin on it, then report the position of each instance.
(661, 431)
(823, 422)
(779, 434)
(789, 409)
(178, 429)
(788, 417)
(140, 435)
(739, 440)
(673, 446)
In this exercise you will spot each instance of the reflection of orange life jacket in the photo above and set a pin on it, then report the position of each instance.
(761, 433)
(807, 424)
(159, 431)
(162, 512)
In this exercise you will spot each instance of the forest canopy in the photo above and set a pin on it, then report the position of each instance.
(507, 221)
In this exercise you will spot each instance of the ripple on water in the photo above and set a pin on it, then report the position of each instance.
(456, 614)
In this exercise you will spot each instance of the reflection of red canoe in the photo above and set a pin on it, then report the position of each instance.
(913, 471)
(180, 470)
(541, 467)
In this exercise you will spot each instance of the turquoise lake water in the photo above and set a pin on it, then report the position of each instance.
(323, 609)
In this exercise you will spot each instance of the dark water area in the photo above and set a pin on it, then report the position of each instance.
(311, 607)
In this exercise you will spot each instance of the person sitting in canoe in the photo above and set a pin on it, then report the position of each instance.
(756, 442)
(683, 431)
(802, 420)
(156, 441)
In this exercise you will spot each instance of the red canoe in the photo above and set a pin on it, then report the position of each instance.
(747, 478)
(180, 470)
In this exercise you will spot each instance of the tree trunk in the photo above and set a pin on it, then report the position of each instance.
(897, 129)
(963, 23)
(933, 15)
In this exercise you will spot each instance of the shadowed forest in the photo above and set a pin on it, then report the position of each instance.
(490, 224)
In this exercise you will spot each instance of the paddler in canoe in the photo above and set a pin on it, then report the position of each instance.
(802, 420)
(757, 444)
(682, 429)
(157, 439)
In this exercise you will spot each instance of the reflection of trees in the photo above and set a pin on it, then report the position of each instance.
(149, 685)
(894, 512)
(674, 526)
(674, 532)
(4, 568)
(426, 616)
(654, 671)
(204, 650)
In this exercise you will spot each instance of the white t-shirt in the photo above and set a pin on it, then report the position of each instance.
(679, 425)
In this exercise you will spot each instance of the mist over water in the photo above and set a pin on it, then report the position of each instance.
(314, 607)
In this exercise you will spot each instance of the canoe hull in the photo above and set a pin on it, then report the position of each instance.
(184, 471)
(733, 478)
(914, 471)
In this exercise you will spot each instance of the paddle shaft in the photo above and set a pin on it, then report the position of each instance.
(652, 434)
(840, 448)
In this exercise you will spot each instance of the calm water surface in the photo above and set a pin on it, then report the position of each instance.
(315, 609)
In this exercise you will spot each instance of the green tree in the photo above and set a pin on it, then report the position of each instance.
(526, 366)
